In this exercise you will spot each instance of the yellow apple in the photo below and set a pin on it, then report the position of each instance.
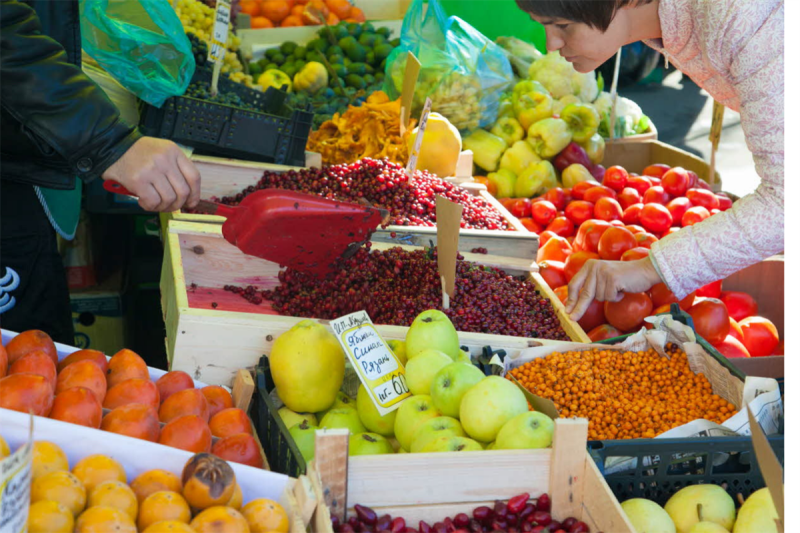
(647, 516)
(487, 406)
(701, 503)
(757, 515)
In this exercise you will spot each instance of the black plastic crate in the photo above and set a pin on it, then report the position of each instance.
(657, 468)
(275, 135)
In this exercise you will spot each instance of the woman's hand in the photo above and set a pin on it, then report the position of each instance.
(157, 171)
(606, 281)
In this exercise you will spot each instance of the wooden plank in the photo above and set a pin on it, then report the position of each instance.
(600, 509)
(431, 479)
(330, 459)
(322, 515)
(567, 470)
(243, 387)
(306, 498)
(289, 501)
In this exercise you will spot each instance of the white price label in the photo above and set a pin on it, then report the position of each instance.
(377, 366)
(222, 19)
(15, 487)
(414, 155)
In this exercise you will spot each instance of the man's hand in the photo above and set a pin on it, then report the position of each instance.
(607, 281)
(158, 173)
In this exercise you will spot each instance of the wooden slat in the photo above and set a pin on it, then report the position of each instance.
(601, 510)
(306, 498)
(567, 471)
(289, 501)
(243, 387)
(330, 460)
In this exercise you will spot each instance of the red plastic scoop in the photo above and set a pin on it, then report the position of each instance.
(296, 230)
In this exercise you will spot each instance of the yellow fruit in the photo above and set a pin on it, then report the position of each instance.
(5, 451)
(220, 519)
(307, 365)
(114, 494)
(48, 457)
(208, 481)
(265, 516)
(236, 499)
(161, 506)
(312, 78)
(156, 480)
(94, 469)
(61, 487)
(104, 520)
(441, 146)
(169, 526)
(275, 78)
(48, 516)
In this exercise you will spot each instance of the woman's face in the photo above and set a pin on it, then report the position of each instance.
(585, 47)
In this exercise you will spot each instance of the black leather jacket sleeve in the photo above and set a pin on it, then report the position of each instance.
(60, 108)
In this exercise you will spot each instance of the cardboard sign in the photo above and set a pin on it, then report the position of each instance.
(414, 155)
(222, 18)
(377, 366)
(770, 466)
(15, 487)
(410, 77)
(448, 225)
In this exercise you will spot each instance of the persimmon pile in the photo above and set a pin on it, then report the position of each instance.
(624, 395)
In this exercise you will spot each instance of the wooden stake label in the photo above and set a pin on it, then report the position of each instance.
(378, 368)
(410, 76)
(448, 225)
(414, 155)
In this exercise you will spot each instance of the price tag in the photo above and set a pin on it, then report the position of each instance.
(412, 157)
(378, 368)
(15, 487)
(222, 19)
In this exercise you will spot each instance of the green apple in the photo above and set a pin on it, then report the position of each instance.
(451, 383)
(486, 407)
(464, 357)
(452, 444)
(537, 178)
(370, 417)
(491, 446)
(343, 418)
(342, 400)
(411, 414)
(394, 442)
(441, 426)
(401, 450)
(290, 418)
(504, 181)
(432, 330)
(399, 349)
(369, 444)
(647, 516)
(701, 503)
(304, 436)
(710, 527)
(421, 370)
(757, 515)
(526, 431)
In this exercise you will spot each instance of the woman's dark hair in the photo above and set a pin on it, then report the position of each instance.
(596, 13)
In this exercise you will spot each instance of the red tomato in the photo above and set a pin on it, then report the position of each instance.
(740, 304)
(712, 290)
(703, 198)
(645, 240)
(632, 213)
(581, 187)
(562, 293)
(607, 209)
(635, 254)
(661, 295)
(562, 226)
(655, 182)
(614, 243)
(575, 261)
(657, 170)
(640, 183)
(676, 181)
(693, 179)
(579, 211)
(677, 207)
(616, 178)
(589, 234)
(593, 317)
(633, 228)
(693, 215)
(543, 212)
(553, 273)
(595, 193)
(544, 237)
(656, 195)
(725, 203)
(778, 349)
(710, 318)
(732, 347)
(555, 249)
(571, 240)
(701, 184)
(629, 313)
(557, 197)
(601, 333)
(655, 218)
(760, 335)
(506, 202)
(736, 330)
(521, 207)
(629, 196)
(531, 225)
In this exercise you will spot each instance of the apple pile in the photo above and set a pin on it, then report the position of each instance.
(453, 407)
(517, 515)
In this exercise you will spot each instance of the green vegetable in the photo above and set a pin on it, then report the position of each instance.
(382, 51)
(288, 48)
(560, 78)
(486, 147)
(357, 68)
(299, 52)
(519, 157)
(532, 107)
(549, 136)
(354, 80)
(583, 120)
(509, 130)
(386, 32)
(279, 58)
(505, 181)
(354, 29)
(367, 39)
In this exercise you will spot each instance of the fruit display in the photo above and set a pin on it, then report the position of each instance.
(520, 513)
(117, 395)
(286, 14)
(624, 394)
(383, 184)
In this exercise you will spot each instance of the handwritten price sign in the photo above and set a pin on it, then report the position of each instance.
(377, 366)
(222, 18)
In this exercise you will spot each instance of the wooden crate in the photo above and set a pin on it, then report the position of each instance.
(212, 344)
(225, 177)
(650, 135)
(431, 486)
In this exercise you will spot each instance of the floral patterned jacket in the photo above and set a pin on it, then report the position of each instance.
(734, 50)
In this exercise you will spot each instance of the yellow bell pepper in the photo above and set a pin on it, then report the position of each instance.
(275, 78)
(312, 78)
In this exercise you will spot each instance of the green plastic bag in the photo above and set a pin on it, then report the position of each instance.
(141, 43)
(463, 72)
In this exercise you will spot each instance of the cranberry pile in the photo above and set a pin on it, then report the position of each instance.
(395, 285)
(518, 515)
(383, 184)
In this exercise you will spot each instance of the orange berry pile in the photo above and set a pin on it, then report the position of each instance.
(624, 395)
